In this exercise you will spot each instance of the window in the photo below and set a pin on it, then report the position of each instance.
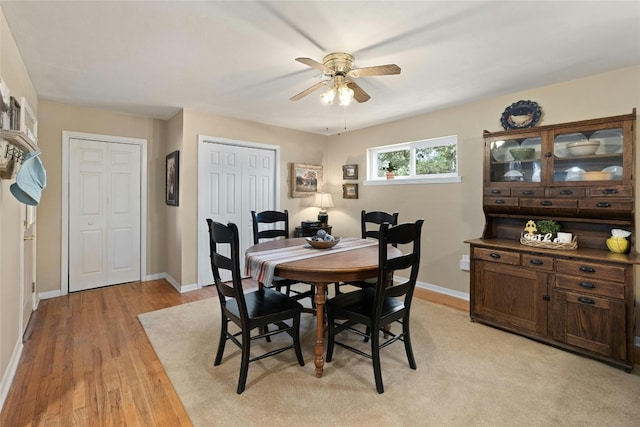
(434, 160)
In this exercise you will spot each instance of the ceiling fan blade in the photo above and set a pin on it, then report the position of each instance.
(358, 93)
(378, 70)
(307, 91)
(315, 64)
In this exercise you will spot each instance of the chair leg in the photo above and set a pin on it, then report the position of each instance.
(223, 340)
(331, 335)
(407, 342)
(375, 353)
(244, 364)
(296, 339)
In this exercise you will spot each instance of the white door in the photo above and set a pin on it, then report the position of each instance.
(104, 213)
(233, 180)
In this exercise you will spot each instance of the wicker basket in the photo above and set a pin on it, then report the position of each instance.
(551, 245)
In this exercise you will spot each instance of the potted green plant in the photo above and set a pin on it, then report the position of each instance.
(546, 226)
(390, 170)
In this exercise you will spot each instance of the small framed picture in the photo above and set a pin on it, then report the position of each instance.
(350, 172)
(172, 178)
(349, 191)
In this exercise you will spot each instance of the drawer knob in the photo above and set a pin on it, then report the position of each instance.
(603, 205)
(495, 256)
(496, 192)
(527, 193)
(546, 203)
(586, 300)
(499, 202)
(566, 192)
(610, 191)
(586, 269)
(587, 285)
(536, 262)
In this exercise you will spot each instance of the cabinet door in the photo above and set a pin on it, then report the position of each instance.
(511, 296)
(590, 323)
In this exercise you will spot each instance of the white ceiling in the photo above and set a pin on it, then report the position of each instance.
(236, 59)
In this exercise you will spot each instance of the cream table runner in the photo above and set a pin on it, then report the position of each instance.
(261, 265)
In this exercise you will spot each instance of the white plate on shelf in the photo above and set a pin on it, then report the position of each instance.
(611, 141)
(615, 170)
(574, 174)
(501, 152)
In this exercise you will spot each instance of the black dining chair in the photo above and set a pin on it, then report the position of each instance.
(370, 223)
(248, 311)
(376, 308)
(277, 226)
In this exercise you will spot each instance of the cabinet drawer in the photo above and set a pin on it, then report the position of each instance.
(591, 286)
(527, 192)
(497, 192)
(604, 205)
(593, 270)
(566, 192)
(500, 201)
(549, 203)
(612, 191)
(503, 257)
(537, 261)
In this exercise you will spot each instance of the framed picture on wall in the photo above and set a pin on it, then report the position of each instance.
(349, 191)
(172, 178)
(350, 172)
(306, 180)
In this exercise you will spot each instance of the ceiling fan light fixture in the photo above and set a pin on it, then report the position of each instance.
(328, 97)
(345, 95)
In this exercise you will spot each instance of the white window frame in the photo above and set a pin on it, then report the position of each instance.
(373, 167)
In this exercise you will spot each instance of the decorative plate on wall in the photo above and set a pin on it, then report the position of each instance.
(521, 114)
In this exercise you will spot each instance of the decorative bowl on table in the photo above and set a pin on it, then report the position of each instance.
(322, 244)
(522, 153)
(583, 148)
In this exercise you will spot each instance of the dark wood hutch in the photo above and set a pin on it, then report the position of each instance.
(580, 300)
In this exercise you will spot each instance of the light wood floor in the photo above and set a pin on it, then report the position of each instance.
(87, 360)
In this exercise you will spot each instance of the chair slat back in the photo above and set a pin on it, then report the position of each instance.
(225, 239)
(402, 234)
(375, 218)
(270, 217)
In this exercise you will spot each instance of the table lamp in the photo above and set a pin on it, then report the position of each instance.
(323, 201)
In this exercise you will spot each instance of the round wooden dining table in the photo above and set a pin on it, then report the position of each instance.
(345, 266)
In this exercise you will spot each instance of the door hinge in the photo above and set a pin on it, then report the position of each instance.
(33, 287)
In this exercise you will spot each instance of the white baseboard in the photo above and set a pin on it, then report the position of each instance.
(49, 294)
(446, 291)
(189, 288)
(156, 276)
(10, 372)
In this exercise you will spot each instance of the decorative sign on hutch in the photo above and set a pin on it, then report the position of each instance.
(578, 176)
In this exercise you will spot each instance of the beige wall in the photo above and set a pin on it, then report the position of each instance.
(14, 73)
(453, 212)
(53, 119)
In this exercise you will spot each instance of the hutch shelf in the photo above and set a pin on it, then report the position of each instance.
(580, 300)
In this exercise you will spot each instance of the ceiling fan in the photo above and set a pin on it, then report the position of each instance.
(338, 67)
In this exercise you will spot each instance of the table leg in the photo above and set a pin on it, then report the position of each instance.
(320, 299)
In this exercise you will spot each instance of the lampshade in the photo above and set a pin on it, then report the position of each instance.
(323, 200)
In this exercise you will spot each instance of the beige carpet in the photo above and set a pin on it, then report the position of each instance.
(468, 375)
